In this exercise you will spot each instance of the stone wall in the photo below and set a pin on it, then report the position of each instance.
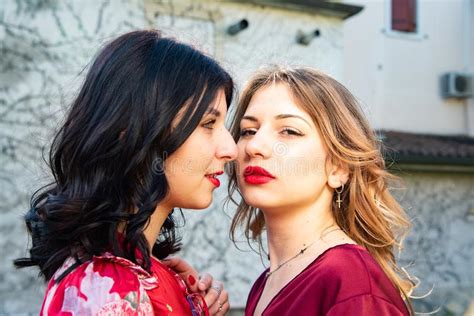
(47, 44)
(440, 249)
(45, 47)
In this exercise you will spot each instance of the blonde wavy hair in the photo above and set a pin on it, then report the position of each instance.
(370, 215)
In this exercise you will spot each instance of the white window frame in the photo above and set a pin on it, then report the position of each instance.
(416, 36)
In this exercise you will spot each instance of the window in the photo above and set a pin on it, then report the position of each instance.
(404, 16)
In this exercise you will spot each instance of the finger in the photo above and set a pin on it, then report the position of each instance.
(205, 282)
(211, 297)
(221, 305)
(185, 271)
(216, 295)
(178, 264)
(224, 310)
(213, 294)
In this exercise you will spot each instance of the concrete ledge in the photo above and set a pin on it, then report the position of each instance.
(337, 9)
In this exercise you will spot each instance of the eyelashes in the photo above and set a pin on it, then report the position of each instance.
(292, 132)
(247, 132)
(285, 131)
(209, 124)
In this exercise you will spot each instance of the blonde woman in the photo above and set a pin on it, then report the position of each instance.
(313, 179)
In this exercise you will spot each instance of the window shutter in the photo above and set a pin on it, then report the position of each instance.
(404, 15)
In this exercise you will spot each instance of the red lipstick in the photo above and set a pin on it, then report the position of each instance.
(212, 177)
(257, 175)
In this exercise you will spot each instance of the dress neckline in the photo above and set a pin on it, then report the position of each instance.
(320, 256)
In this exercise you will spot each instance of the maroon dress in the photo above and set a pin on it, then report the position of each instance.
(344, 280)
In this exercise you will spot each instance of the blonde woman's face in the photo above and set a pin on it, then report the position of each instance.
(281, 157)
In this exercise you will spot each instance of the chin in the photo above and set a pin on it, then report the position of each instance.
(257, 200)
(199, 203)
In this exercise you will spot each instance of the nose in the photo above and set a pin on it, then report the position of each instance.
(258, 146)
(227, 149)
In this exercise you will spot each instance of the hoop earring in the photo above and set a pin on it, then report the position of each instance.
(339, 201)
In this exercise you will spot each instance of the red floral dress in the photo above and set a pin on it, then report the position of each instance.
(110, 285)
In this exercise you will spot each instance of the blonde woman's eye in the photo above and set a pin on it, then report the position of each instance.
(247, 132)
(209, 124)
(292, 132)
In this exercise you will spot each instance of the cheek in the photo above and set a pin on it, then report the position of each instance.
(311, 169)
(194, 155)
(240, 153)
(192, 162)
(303, 177)
(240, 147)
(299, 162)
(315, 160)
(181, 170)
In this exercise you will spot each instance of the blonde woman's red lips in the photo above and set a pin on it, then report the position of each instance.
(257, 175)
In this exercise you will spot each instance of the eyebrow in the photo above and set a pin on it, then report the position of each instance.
(249, 118)
(284, 116)
(277, 117)
(213, 111)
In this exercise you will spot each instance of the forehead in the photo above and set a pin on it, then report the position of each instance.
(274, 99)
(217, 107)
(219, 103)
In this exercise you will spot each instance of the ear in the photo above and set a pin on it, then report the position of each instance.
(338, 175)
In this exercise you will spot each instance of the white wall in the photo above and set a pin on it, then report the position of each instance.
(45, 48)
(397, 77)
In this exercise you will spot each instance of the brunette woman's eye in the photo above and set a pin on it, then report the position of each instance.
(247, 132)
(291, 132)
(209, 124)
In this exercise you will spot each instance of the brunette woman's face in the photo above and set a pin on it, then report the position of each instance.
(192, 171)
(281, 157)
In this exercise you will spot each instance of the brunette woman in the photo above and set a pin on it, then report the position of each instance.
(145, 135)
(313, 179)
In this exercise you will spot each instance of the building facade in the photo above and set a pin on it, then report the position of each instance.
(395, 54)
(47, 44)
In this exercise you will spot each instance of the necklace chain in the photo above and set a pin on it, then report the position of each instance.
(269, 273)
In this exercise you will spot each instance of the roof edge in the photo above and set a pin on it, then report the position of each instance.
(428, 160)
(435, 168)
(329, 8)
(432, 151)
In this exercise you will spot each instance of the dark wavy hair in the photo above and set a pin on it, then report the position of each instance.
(107, 156)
